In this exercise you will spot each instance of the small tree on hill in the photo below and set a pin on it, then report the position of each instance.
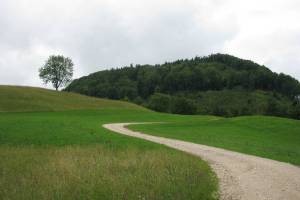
(58, 70)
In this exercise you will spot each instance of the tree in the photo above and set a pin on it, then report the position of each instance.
(58, 70)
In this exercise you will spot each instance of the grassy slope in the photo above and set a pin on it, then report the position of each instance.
(27, 99)
(68, 155)
(270, 137)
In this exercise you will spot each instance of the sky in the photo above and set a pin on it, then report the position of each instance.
(101, 34)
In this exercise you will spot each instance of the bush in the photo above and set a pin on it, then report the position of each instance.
(181, 105)
(159, 102)
(295, 111)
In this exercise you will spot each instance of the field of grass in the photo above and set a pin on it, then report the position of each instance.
(98, 172)
(269, 137)
(30, 99)
(67, 154)
(62, 152)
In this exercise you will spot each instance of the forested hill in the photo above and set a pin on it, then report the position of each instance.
(217, 84)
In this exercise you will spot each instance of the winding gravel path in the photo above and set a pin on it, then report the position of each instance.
(240, 176)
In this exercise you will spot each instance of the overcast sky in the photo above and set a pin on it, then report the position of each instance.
(100, 34)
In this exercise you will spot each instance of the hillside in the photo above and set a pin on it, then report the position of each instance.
(23, 99)
(202, 85)
(69, 155)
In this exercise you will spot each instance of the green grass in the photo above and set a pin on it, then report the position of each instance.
(81, 127)
(30, 99)
(269, 137)
(98, 172)
(68, 155)
(65, 153)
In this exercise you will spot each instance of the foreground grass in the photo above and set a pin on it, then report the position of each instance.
(100, 173)
(270, 137)
(68, 155)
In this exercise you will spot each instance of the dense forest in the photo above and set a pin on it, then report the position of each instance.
(218, 84)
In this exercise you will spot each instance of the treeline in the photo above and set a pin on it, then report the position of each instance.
(184, 84)
(227, 103)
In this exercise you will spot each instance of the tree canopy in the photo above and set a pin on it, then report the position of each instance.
(58, 70)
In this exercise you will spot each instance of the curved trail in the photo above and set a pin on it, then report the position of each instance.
(240, 176)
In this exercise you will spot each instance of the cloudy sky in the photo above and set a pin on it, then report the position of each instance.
(100, 34)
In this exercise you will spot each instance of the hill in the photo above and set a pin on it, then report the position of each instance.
(217, 84)
(26, 99)
(69, 155)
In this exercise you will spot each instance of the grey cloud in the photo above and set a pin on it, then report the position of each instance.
(110, 33)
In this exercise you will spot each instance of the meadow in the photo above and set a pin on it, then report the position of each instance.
(51, 151)
(270, 137)
(53, 146)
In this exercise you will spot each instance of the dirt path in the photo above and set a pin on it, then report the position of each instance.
(241, 176)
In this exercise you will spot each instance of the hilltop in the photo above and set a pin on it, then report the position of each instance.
(218, 84)
(29, 99)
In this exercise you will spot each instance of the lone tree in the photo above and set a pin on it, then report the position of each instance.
(58, 70)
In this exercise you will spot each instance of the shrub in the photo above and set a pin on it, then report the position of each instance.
(181, 105)
(159, 102)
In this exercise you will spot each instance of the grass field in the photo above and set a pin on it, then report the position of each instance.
(66, 154)
(61, 151)
(269, 137)
(30, 99)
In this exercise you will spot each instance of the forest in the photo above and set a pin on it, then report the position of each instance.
(218, 84)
